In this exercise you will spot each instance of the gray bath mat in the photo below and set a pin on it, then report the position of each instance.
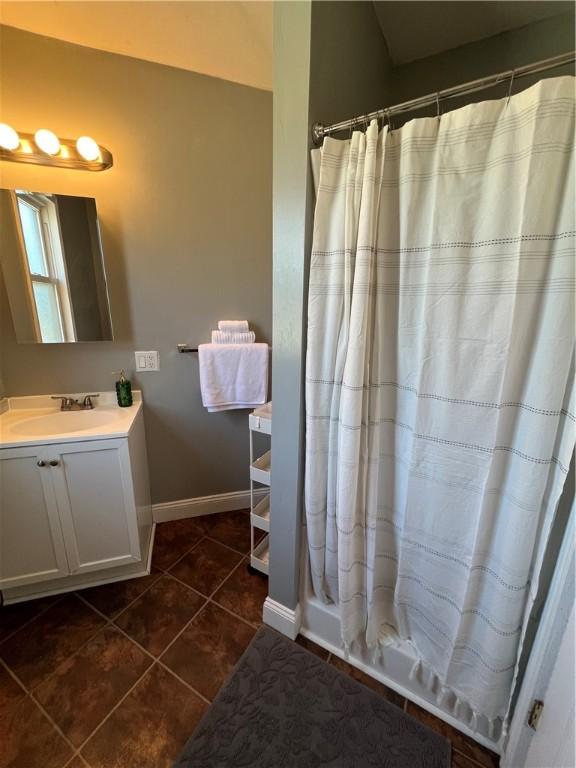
(285, 708)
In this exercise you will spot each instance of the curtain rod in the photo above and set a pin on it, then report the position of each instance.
(319, 131)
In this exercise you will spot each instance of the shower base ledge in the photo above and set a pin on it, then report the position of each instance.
(321, 624)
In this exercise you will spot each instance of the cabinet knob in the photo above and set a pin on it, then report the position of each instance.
(40, 463)
(54, 462)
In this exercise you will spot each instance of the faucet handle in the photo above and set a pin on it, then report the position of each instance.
(65, 401)
(88, 400)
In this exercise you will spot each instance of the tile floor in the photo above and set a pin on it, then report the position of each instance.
(118, 676)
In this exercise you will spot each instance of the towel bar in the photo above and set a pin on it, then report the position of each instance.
(186, 348)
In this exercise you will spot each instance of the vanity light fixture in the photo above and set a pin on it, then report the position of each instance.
(9, 139)
(47, 141)
(88, 148)
(45, 148)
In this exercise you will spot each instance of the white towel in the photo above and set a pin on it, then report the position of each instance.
(233, 326)
(233, 375)
(227, 337)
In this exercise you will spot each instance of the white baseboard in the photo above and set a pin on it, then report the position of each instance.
(204, 505)
(282, 618)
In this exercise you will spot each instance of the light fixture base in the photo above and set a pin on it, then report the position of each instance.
(67, 157)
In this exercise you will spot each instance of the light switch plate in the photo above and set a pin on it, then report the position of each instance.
(147, 361)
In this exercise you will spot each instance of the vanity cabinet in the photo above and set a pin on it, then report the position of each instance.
(31, 539)
(67, 508)
(73, 514)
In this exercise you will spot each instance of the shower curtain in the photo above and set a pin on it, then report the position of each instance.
(439, 374)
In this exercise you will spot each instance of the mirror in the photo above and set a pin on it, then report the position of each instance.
(53, 267)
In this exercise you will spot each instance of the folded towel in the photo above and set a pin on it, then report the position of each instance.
(227, 337)
(233, 326)
(233, 375)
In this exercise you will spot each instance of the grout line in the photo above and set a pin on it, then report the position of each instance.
(162, 574)
(181, 680)
(33, 618)
(32, 688)
(244, 562)
(155, 662)
(109, 622)
(232, 549)
(54, 725)
(13, 676)
(113, 709)
(157, 659)
(208, 600)
(172, 565)
(28, 694)
(467, 757)
(128, 605)
(252, 625)
(82, 759)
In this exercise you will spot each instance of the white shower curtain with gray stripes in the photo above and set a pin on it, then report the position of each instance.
(439, 375)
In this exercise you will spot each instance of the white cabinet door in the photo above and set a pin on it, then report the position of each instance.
(31, 541)
(95, 497)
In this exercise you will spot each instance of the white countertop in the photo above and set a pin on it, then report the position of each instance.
(37, 420)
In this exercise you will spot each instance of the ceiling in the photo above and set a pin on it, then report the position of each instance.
(230, 40)
(233, 39)
(414, 30)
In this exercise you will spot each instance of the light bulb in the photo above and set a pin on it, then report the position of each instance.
(47, 141)
(9, 139)
(88, 148)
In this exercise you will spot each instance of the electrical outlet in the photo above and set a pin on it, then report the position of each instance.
(147, 361)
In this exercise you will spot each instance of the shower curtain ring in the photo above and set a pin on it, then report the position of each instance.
(510, 87)
(389, 118)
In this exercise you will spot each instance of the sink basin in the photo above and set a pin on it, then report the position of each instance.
(65, 422)
(36, 420)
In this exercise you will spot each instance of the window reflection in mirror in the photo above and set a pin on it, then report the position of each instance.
(53, 267)
(39, 222)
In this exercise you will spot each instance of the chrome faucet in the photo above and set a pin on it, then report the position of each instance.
(70, 404)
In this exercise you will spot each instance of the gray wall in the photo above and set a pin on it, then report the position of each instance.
(330, 60)
(540, 40)
(186, 226)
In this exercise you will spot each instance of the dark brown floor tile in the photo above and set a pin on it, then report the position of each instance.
(310, 646)
(76, 762)
(459, 761)
(174, 539)
(461, 743)
(149, 728)
(29, 740)
(36, 650)
(12, 617)
(206, 566)
(230, 528)
(10, 691)
(244, 594)
(369, 682)
(88, 685)
(156, 618)
(208, 649)
(111, 599)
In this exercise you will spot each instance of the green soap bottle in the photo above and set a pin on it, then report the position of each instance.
(123, 391)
